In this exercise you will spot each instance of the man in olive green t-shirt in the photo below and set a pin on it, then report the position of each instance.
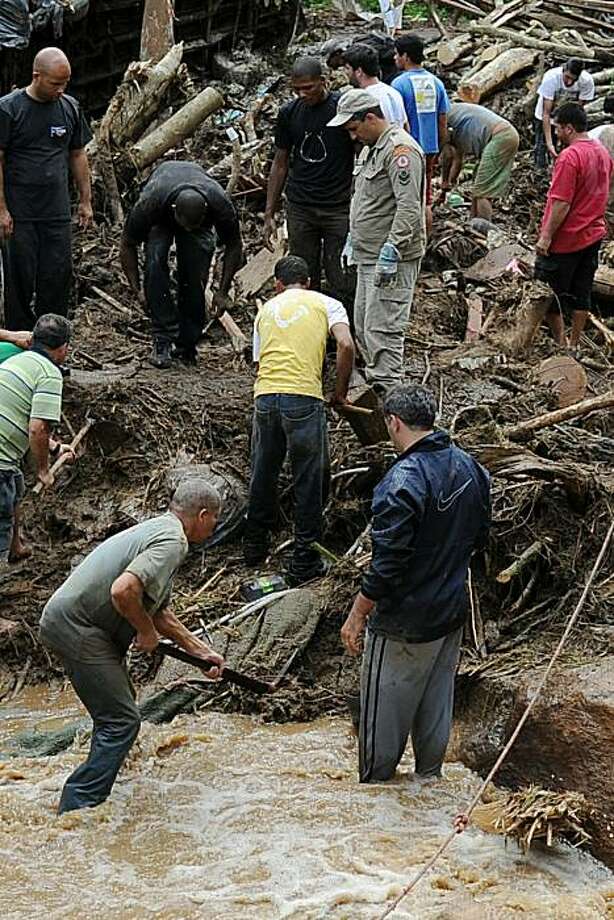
(120, 592)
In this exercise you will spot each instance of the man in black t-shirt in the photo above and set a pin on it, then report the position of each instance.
(317, 162)
(42, 138)
(180, 202)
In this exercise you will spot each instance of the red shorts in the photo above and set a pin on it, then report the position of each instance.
(430, 169)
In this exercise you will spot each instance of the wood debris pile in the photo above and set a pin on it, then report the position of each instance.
(534, 814)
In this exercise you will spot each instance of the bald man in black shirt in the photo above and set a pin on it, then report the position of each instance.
(180, 202)
(42, 138)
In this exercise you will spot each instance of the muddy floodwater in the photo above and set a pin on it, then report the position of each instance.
(219, 816)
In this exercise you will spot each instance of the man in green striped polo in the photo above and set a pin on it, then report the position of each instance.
(30, 403)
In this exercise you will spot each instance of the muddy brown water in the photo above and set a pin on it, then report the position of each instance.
(219, 815)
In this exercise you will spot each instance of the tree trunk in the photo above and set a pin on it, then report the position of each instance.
(136, 116)
(450, 51)
(179, 126)
(536, 298)
(527, 41)
(496, 74)
(157, 32)
(605, 401)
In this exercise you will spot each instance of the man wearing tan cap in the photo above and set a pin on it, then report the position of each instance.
(387, 233)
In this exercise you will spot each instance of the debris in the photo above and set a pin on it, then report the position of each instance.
(259, 270)
(541, 814)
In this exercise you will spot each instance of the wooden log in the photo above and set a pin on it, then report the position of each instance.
(157, 36)
(596, 403)
(248, 151)
(527, 41)
(517, 462)
(143, 103)
(603, 76)
(455, 48)
(496, 74)
(536, 298)
(178, 127)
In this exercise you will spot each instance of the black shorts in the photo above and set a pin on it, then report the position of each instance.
(570, 275)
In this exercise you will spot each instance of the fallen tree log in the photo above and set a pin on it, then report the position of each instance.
(514, 462)
(527, 41)
(604, 401)
(603, 76)
(140, 98)
(455, 48)
(536, 298)
(495, 74)
(178, 127)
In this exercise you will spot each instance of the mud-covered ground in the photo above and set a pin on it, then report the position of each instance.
(147, 421)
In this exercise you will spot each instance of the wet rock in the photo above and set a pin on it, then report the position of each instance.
(566, 744)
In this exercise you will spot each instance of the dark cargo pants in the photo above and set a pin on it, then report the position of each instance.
(37, 271)
(106, 691)
(182, 323)
(406, 689)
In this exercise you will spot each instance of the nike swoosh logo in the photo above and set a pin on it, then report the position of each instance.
(444, 504)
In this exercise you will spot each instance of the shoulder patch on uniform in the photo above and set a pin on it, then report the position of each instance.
(402, 161)
(401, 150)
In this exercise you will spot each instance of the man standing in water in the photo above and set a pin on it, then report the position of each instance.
(121, 592)
(430, 512)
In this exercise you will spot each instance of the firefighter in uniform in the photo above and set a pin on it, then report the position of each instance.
(387, 233)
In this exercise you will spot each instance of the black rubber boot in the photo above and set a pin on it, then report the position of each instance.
(161, 354)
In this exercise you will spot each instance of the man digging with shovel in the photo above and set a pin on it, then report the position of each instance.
(118, 594)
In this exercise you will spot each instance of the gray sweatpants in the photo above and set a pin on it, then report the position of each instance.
(381, 315)
(406, 689)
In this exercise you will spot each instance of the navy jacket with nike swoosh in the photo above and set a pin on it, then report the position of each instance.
(430, 512)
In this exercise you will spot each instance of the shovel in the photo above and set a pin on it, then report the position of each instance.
(232, 677)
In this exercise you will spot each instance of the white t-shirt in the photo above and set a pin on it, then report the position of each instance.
(605, 135)
(553, 88)
(390, 101)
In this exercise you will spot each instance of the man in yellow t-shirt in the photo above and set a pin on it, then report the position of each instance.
(290, 336)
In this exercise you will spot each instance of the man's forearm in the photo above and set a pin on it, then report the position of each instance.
(2, 197)
(129, 259)
(560, 210)
(233, 259)
(80, 169)
(277, 180)
(345, 363)
(38, 437)
(547, 130)
(170, 627)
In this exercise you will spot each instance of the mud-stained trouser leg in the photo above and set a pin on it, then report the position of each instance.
(381, 315)
(406, 688)
(105, 690)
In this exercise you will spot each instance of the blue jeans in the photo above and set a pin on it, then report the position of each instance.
(11, 493)
(293, 425)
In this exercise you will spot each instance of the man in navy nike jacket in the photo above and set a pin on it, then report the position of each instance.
(431, 511)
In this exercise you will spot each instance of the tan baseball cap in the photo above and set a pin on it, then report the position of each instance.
(352, 103)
